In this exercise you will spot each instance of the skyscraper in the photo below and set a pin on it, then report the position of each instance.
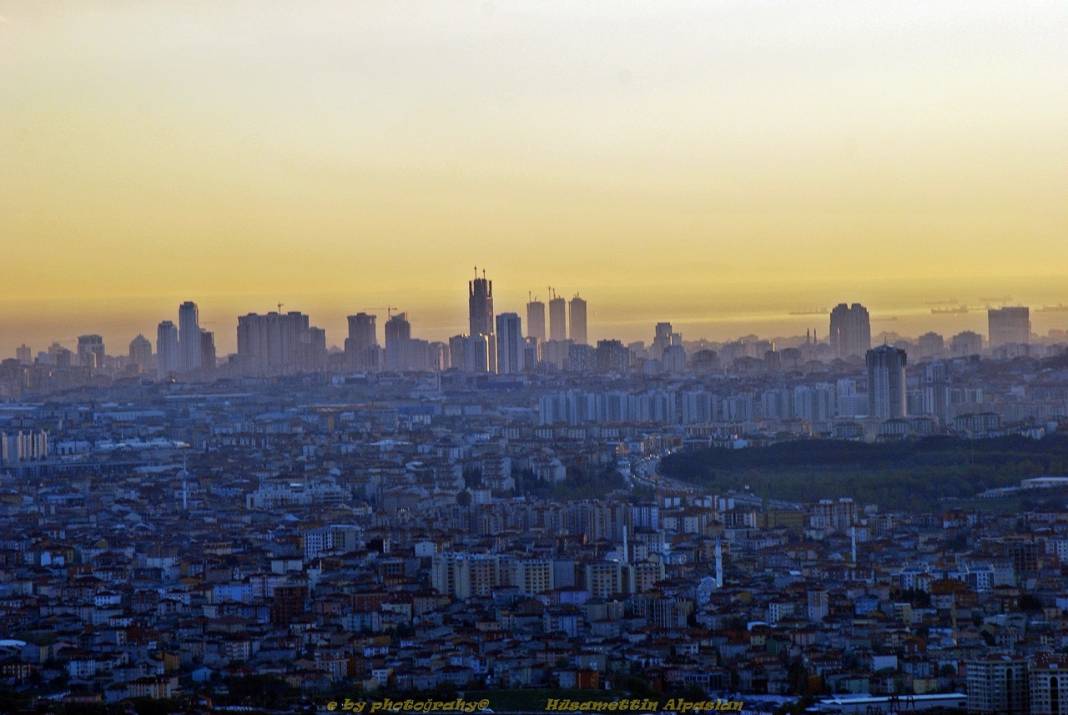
(850, 333)
(480, 305)
(1009, 326)
(557, 318)
(189, 348)
(887, 388)
(536, 320)
(398, 334)
(166, 348)
(509, 344)
(140, 353)
(91, 351)
(361, 346)
(661, 339)
(577, 318)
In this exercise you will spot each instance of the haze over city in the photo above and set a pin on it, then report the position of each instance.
(429, 357)
(716, 164)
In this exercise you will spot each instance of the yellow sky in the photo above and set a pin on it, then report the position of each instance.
(699, 160)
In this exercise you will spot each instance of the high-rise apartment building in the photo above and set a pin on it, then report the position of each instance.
(140, 353)
(509, 344)
(1009, 326)
(557, 318)
(611, 356)
(279, 344)
(470, 353)
(997, 685)
(91, 351)
(1048, 679)
(189, 337)
(207, 350)
(361, 346)
(577, 318)
(24, 354)
(536, 320)
(166, 348)
(16, 447)
(850, 333)
(966, 343)
(398, 336)
(887, 388)
(930, 345)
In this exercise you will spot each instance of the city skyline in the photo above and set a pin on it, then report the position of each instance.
(520, 356)
(631, 155)
(452, 316)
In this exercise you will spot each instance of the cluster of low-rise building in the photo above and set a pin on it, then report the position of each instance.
(409, 532)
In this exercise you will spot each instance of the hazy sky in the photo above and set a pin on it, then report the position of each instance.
(704, 161)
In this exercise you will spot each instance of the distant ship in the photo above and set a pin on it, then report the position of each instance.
(1059, 308)
(810, 311)
(958, 310)
(951, 301)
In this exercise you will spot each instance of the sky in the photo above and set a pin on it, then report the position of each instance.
(717, 163)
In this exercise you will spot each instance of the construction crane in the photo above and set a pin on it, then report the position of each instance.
(388, 308)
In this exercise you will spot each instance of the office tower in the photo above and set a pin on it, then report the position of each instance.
(536, 320)
(966, 343)
(140, 353)
(91, 351)
(188, 337)
(850, 334)
(1009, 326)
(557, 318)
(166, 348)
(887, 388)
(480, 305)
(611, 356)
(207, 350)
(361, 346)
(398, 335)
(279, 344)
(930, 345)
(509, 344)
(24, 355)
(576, 309)
(661, 339)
